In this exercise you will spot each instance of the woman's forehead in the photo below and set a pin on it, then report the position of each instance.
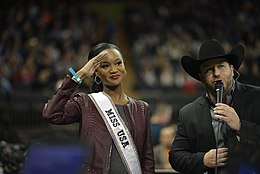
(112, 55)
(112, 52)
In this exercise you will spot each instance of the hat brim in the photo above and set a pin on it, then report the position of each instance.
(192, 66)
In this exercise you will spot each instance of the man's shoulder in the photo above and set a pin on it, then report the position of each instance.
(247, 87)
(195, 103)
(249, 90)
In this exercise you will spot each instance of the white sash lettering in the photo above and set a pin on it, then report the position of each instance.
(118, 131)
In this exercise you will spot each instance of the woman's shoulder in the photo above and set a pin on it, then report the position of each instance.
(138, 101)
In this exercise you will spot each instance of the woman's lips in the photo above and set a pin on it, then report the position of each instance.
(114, 76)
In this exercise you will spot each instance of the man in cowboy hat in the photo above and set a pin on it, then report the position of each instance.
(211, 133)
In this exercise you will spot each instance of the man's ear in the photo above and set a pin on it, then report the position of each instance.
(233, 69)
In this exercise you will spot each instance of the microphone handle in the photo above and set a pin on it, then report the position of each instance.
(219, 96)
(219, 99)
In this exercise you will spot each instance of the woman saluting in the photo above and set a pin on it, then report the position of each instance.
(116, 126)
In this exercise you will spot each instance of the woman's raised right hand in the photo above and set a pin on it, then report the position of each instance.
(90, 67)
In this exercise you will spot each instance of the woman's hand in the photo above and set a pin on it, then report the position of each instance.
(90, 67)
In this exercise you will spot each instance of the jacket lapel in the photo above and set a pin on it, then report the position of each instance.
(239, 101)
(205, 122)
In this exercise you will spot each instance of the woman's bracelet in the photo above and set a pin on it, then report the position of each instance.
(75, 76)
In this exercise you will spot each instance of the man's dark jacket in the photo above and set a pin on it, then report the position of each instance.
(195, 134)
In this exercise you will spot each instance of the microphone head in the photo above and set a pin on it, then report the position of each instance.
(219, 85)
(219, 88)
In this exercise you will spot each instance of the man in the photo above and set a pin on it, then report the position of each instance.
(215, 137)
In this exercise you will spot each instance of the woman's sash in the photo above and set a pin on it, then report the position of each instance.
(118, 131)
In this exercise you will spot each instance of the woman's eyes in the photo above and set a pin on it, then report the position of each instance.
(119, 63)
(104, 65)
(108, 65)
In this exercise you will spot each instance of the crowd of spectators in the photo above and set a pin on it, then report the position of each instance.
(161, 33)
(40, 40)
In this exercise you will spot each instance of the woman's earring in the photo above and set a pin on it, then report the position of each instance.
(97, 80)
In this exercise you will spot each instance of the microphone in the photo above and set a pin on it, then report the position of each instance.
(219, 88)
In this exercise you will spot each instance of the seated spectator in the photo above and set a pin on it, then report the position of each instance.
(161, 150)
(160, 118)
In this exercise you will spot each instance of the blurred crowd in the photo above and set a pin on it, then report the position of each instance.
(39, 40)
(12, 156)
(161, 33)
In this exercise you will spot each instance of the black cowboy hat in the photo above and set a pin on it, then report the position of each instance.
(212, 49)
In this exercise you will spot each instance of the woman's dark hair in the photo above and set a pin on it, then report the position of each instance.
(95, 50)
(99, 48)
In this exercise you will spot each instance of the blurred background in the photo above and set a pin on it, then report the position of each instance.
(41, 39)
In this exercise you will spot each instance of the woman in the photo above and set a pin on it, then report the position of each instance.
(116, 126)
